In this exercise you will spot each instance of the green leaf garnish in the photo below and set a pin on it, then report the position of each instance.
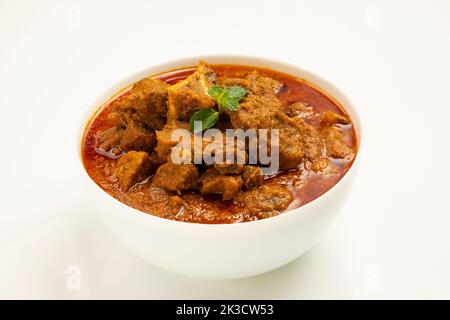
(207, 117)
(227, 98)
(215, 92)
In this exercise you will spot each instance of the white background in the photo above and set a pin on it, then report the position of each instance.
(390, 57)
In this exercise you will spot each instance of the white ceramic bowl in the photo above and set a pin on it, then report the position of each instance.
(222, 251)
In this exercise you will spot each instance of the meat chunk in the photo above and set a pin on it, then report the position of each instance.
(252, 177)
(137, 137)
(135, 115)
(132, 168)
(291, 144)
(329, 118)
(232, 168)
(261, 85)
(266, 200)
(261, 109)
(320, 165)
(255, 112)
(264, 112)
(239, 158)
(300, 109)
(165, 145)
(121, 108)
(175, 204)
(254, 82)
(176, 177)
(134, 136)
(146, 102)
(110, 138)
(313, 145)
(297, 139)
(190, 94)
(335, 143)
(164, 139)
(212, 181)
(117, 119)
(229, 82)
(150, 97)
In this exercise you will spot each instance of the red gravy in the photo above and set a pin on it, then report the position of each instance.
(304, 184)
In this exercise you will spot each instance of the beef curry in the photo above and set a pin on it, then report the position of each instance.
(128, 143)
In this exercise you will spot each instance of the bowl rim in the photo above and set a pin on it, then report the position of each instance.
(249, 60)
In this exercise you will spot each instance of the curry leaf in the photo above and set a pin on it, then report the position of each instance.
(227, 98)
(207, 117)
